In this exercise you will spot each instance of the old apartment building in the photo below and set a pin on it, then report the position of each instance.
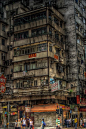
(41, 43)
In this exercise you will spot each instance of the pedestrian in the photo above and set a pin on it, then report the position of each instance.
(24, 123)
(19, 124)
(81, 122)
(28, 122)
(75, 121)
(58, 122)
(31, 124)
(43, 124)
(16, 124)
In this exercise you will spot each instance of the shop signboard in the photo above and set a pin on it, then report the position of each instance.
(13, 109)
(32, 55)
(2, 84)
(27, 109)
(56, 57)
(21, 108)
(55, 86)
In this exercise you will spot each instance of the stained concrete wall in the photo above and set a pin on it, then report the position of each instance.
(49, 118)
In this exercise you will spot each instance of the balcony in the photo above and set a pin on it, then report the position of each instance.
(78, 20)
(2, 63)
(62, 60)
(30, 25)
(84, 14)
(3, 48)
(3, 34)
(80, 48)
(26, 57)
(31, 73)
(30, 40)
(79, 33)
(58, 28)
(38, 90)
(78, 8)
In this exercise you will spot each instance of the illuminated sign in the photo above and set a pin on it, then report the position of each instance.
(32, 55)
(2, 83)
(56, 57)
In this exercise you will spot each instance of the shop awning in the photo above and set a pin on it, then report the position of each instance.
(45, 108)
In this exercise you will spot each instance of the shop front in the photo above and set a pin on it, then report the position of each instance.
(48, 112)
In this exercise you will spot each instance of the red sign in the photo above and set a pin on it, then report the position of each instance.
(32, 55)
(78, 99)
(2, 83)
(56, 57)
(82, 109)
(85, 74)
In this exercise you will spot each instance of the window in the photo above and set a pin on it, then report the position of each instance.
(28, 66)
(21, 84)
(35, 83)
(3, 56)
(17, 85)
(84, 20)
(56, 35)
(50, 48)
(3, 27)
(2, 70)
(20, 36)
(17, 53)
(33, 49)
(50, 31)
(56, 21)
(33, 65)
(25, 84)
(78, 41)
(77, 26)
(20, 68)
(42, 47)
(61, 22)
(39, 31)
(61, 38)
(57, 51)
(3, 42)
(22, 51)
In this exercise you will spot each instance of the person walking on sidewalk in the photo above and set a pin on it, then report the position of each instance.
(58, 122)
(75, 121)
(31, 124)
(43, 124)
(16, 124)
(24, 123)
(19, 124)
(81, 122)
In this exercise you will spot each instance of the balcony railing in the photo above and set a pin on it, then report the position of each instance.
(31, 24)
(3, 48)
(31, 73)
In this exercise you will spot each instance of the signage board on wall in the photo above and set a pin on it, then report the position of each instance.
(55, 86)
(27, 109)
(56, 57)
(2, 84)
(32, 55)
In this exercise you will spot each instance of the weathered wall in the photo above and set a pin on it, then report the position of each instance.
(49, 118)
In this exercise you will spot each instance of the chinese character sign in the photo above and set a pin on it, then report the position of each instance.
(55, 86)
(2, 83)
